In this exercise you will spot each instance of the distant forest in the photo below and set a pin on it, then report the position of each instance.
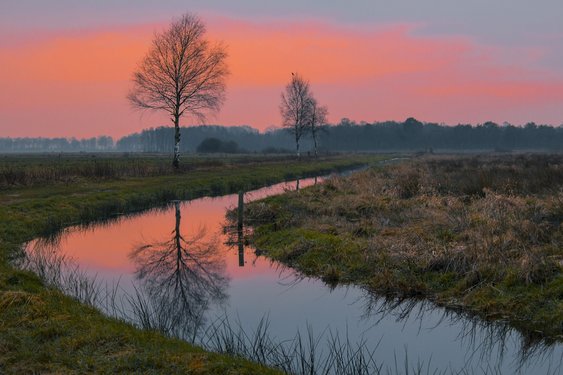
(411, 135)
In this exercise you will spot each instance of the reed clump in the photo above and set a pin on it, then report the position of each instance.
(484, 233)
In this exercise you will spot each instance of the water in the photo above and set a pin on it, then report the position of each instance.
(189, 273)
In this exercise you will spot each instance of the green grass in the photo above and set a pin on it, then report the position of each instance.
(43, 331)
(21, 170)
(484, 234)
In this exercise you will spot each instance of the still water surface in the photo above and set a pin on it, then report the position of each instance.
(170, 251)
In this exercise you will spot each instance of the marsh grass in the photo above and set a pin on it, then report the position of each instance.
(59, 271)
(81, 339)
(298, 355)
(49, 169)
(484, 234)
(305, 353)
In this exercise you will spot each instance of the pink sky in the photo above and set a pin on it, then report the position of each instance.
(74, 83)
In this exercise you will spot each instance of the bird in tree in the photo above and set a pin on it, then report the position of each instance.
(183, 73)
(294, 108)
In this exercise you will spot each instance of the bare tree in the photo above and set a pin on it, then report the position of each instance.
(294, 107)
(316, 119)
(182, 73)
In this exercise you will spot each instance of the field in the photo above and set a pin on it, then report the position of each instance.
(479, 234)
(27, 170)
(42, 330)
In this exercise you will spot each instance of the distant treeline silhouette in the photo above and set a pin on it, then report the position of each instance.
(94, 144)
(411, 135)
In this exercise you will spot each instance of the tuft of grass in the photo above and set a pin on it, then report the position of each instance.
(484, 233)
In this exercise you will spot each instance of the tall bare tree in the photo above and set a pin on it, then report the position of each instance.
(294, 108)
(316, 119)
(182, 73)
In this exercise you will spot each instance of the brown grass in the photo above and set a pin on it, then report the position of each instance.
(456, 229)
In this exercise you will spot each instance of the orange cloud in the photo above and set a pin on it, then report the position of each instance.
(102, 56)
(75, 83)
(262, 55)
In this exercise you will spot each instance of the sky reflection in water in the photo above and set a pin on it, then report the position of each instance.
(189, 273)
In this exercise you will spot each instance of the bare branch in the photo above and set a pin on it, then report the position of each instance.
(182, 73)
(294, 107)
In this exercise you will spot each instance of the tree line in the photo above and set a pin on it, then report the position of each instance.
(59, 144)
(410, 135)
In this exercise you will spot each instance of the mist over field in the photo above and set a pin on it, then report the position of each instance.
(345, 136)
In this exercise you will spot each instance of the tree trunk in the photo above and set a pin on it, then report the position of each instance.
(176, 161)
(297, 147)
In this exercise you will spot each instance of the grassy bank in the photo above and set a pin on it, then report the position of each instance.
(20, 170)
(480, 234)
(43, 331)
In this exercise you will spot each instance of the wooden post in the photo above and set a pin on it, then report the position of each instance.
(240, 210)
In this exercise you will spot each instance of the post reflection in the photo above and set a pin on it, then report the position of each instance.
(234, 229)
(181, 277)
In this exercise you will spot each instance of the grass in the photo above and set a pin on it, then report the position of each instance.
(51, 169)
(42, 330)
(480, 234)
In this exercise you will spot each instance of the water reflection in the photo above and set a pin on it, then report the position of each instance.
(488, 343)
(178, 284)
(486, 347)
(181, 277)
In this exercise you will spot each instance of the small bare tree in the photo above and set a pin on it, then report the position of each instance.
(316, 119)
(294, 107)
(182, 73)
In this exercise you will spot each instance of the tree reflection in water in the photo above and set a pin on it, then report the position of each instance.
(180, 279)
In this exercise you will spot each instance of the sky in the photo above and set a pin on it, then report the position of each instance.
(66, 65)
